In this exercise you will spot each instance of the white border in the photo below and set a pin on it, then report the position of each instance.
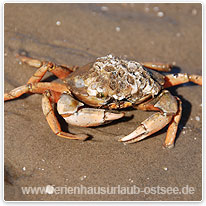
(105, 202)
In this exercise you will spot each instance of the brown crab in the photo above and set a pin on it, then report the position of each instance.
(91, 92)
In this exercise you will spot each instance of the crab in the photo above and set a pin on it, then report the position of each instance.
(90, 95)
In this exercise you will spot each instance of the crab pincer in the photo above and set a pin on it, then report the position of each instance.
(75, 114)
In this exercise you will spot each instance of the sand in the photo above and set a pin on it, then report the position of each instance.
(76, 34)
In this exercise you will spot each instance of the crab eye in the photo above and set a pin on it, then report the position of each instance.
(100, 95)
(175, 75)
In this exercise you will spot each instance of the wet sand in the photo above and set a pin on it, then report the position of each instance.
(76, 34)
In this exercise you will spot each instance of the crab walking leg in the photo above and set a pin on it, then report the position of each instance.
(176, 79)
(61, 71)
(53, 122)
(168, 107)
(39, 74)
(39, 87)
(157, 66)
(173, 126)
(17, 92)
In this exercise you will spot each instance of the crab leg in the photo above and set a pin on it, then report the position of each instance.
(61, 71)
(176, 79)
(173, 126)
(52, 120)
(170, 112)
(38, 87)
(157, 66)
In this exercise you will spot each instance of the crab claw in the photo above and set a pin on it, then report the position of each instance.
(110, 116)
(74, 113)
(151, 125)
(90, 117)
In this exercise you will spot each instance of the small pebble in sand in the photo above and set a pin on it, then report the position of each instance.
(104, 8)
(117, 28)
(191, 118)
(183, 132)
(194, 12)
(49, 189)
(147, 178)
(160, 14)
(131, 180)
(24, 168)
(195, 138)
(197, 118)
(58, 23)
(59, 166)
(174, 63)
(42, 168)
(43, 160)
(165, 168)
(83, 177)
(20, 62)
(5, 54)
